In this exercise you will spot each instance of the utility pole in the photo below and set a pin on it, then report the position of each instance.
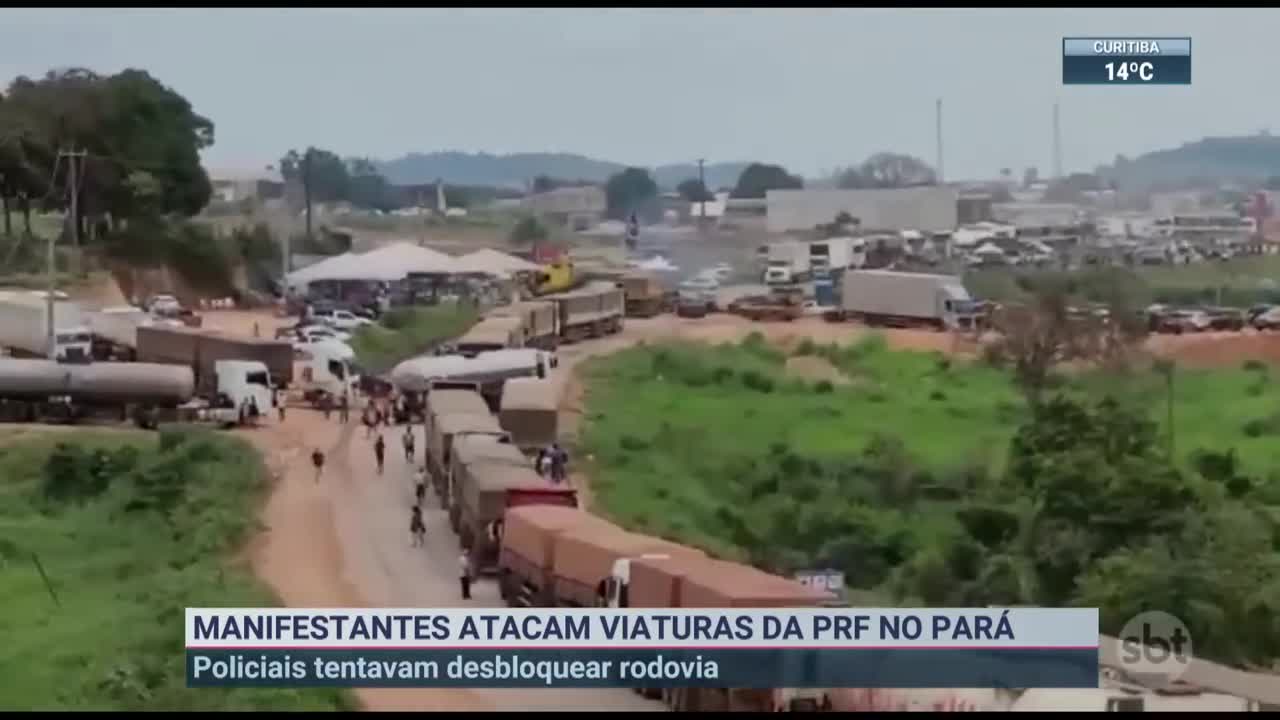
(73, 216)
(1057, 145)
(939, 129)
(702, 215)
(306, 188)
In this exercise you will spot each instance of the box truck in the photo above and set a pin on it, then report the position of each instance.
(24, 328)
(788, 263)
(903, 299)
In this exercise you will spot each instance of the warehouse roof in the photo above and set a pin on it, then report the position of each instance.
(493, 262)
(389, 262)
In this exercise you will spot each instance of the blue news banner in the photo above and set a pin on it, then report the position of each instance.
(643, 648)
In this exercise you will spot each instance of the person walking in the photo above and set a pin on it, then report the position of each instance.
(344, 409)
(559, 461)
(543, 463)
(369, 420)
(280, 404)
(317, 459)
(407, 439)
(464, 574)
(326, 405)
(420, 484)
(379, 452)
(417, 528)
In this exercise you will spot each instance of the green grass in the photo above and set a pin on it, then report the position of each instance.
(405, 332)
(668, 424)
(123, 574)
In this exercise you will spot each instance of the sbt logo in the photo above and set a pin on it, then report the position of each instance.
(1155, 643)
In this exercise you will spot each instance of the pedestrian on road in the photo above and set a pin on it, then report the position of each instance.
(369, 420)
(344, 409)
(417, 528)
(379, 452)
(407, 439)
(420, 485)
(559, 461)
(543, 463)
(464, 574)
(317, 459)
(280, 404)
(326, 404)
(255, 330)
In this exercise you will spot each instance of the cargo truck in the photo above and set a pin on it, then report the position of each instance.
(529, 410)
(200, 349)
(788, 263)
(538, 319)
(684, 581)
(488, 476)
(830, 256)
(594, 310)
(485, 373)
(115, 331)
(445, 427)
(552, 557)
(643, 295)
(491, 333)
(144, 393)
(24, 329)
(329, 370)
(901, 299)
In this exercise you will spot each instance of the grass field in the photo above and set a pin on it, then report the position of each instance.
(129, 528)
(405, 332)
(665, 453)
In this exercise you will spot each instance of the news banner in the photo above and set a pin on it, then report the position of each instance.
(1126, 61)
(652, 648)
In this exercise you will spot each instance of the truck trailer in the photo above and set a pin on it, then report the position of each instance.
(485, 373)
(539, 321)
(529, 410)
(594, 310)
(24, 329)
(115, 331)
(787, 263)
(488, 476)
(491, 333)
(903, 299)
(200, 349)
(445, 427)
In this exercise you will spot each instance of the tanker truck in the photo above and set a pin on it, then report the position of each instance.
(24, 329)
(144, 393)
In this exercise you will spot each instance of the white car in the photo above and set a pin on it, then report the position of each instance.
(811, 307)
(721, 272)
(164, 305)
(342, 319)
(316, 333)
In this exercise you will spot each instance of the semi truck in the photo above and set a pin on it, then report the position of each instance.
(484, 373)
(903, 299)
(143, 393)
(788, 263)
(24, 328)
(831, 256)
(594, 310)
(329, 370)
(529, 410)
(440, 401)
(445, 428)
(696, 581)
(200, 349)
(115, 331)
(491, 333)
(539, 321)
(643, 295)
(488, 476)
(560, 557)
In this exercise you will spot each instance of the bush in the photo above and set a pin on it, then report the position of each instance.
(754, 380)
(823, 387)
(806, 347)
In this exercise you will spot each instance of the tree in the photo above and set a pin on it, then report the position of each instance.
(326, 177)
(693, 191)
(528, 232)
(544, 183)
(631, 190)
(894, 170)
(757, 179)
(366, 187)
(851, 179)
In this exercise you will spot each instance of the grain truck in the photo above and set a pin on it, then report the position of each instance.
(529, 410)
(488, 476)
(693, 581)
(594, 310)
(644, 296)
(903, 299)
(24, 329)
(440, 436)
(553, 556)
(538, 319)
(491, 333)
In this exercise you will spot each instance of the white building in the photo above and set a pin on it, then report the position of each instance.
(930, 209)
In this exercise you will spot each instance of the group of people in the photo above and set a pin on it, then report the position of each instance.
(552, 463)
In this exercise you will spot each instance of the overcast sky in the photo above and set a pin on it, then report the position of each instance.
(810, 88)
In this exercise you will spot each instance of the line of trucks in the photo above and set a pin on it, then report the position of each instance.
(121, 363)
(546, 552)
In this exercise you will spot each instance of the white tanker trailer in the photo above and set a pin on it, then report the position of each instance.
(146, 393)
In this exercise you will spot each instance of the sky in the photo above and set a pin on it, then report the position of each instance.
(812, 89)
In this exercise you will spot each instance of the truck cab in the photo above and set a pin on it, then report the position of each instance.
(615, 586)
(73, 344)
(242, 381)
(328, 368)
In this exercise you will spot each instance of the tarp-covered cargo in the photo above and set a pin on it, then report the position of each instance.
(492, 333)
(537, 316)
(529, 411)
(584, 557)
(440, 441)
(720, 584)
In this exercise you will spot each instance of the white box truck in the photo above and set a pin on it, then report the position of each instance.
(788, 263)
(830, 257)
(902, 299)
(24, 331)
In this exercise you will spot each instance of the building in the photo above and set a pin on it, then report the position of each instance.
(1222, 228)
(576, 207)
(1168, 204)
(973, 207)
(233, 186)
(930, 209)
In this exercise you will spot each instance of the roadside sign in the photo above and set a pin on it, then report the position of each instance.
(831, 581)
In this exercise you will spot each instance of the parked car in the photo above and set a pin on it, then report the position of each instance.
(701, 288)
(1253, 312)
(1268, 320)
(164, 305)
(1226, 319)
(340, 319)
(1183, 321)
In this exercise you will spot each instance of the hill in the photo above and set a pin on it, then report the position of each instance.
(1207, 161)
(518, 168)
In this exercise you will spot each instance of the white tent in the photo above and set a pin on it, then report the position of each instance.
(493, 262)
(387, 263)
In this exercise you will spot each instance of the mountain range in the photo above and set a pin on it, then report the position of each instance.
(519, 169)
(1203, 162)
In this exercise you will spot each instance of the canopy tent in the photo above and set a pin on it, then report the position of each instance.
(493, 262)
(387, 263)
